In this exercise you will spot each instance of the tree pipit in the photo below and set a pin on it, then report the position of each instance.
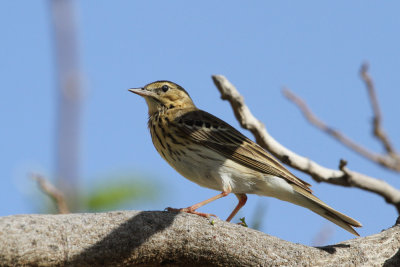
(213, 154)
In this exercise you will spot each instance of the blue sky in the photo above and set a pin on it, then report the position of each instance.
(313, 47)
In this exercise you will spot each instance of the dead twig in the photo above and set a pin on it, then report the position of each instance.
(56, 195)
(383, 160)
(343, 176)
(390, 160)
(314, 120)
(378, 131)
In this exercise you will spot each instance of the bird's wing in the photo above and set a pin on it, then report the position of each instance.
(209, 131)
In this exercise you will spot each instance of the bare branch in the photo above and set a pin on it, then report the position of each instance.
(383, 160)
(328, 130)
(378, 131)
(155, 238)
(56, 195)
(319, 173)
(390, 161)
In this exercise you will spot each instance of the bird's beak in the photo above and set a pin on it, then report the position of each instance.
(141, 91)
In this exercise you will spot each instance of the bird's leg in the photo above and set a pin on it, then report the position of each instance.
(242, 201)
(192, 209)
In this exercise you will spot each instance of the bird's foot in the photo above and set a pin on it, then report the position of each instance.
(192, 211)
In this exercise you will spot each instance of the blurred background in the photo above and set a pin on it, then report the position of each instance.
(66, 114)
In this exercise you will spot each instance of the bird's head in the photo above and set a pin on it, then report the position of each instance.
(164, 94)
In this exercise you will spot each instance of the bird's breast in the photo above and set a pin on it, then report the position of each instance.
(200, 164)
(193, 161)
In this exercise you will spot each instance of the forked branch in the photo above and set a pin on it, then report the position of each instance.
(389, 160)
(384, 160)
(377, 118)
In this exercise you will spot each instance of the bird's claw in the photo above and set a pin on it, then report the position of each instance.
(192, 211)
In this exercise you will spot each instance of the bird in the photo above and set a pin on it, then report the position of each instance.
(211, 153)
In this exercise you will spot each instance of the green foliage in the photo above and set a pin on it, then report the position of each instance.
(107, 193)
(243, 222)
(113, 193)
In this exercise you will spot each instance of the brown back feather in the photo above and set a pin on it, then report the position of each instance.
(210, 131)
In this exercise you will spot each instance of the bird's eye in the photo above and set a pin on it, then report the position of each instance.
(165, 88)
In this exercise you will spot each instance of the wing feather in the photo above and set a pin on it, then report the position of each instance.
(207, 130)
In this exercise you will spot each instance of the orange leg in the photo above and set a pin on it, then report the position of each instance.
(242, 201)
(192, 209)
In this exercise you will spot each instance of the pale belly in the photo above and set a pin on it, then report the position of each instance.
(216, 172)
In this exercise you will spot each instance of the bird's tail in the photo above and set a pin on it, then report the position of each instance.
(314, 204)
